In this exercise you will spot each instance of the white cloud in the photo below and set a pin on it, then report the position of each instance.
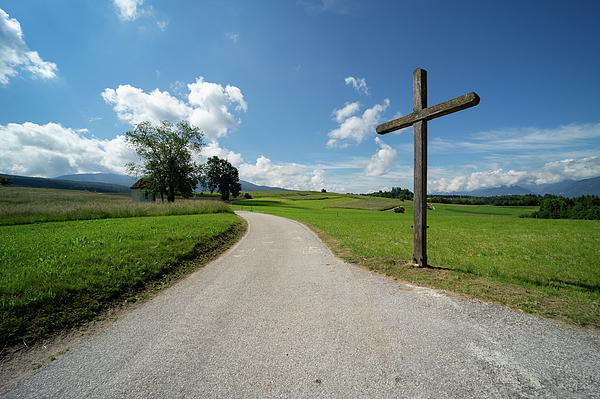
(382, 161)
(132, 105)
(52, 150)
(128, 9)
(355, 128)
(524, 140)
(360, 85)
(552, 172)
(162, 25)
(342, 114)
(14, 54)
(233, 36)
(290, 175)
(207, 106)
(213, 149)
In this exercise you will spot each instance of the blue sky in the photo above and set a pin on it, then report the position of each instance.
(291, 91)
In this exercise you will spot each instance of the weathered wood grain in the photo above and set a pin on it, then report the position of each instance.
(418, 119)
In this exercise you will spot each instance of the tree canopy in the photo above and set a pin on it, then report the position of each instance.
(5, 181)
(166, 154)
(220, 175)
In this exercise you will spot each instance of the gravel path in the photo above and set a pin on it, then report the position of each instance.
(280, 316)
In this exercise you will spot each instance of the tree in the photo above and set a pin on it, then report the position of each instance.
(5, 181)
(166, 155)
(220, 175)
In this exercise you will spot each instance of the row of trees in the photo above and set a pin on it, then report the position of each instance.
(504, 200)
(551, 206)
(559, 207)
(167, 162)
(396, 192)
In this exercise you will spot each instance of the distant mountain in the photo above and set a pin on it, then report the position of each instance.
(41, 182)
(554, 188)
(567, 188)
(492, 192)
(498, 191)
(111, 178)
(582, 187)
(128, 181)
(103, 182)
(247, 186)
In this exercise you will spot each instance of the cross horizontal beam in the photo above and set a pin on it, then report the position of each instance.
(427, 114)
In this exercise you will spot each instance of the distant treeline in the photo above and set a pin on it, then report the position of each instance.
(551, 206)
(504, 200)
(40, 182)
(558, 207)
(396, 193)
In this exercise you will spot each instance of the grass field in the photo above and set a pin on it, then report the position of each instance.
(545, 267)
(66, 255)
(21, 205)
(55, 275)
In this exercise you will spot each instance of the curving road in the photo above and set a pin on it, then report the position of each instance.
(280, 316)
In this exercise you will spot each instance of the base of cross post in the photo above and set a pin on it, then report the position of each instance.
(420, 262)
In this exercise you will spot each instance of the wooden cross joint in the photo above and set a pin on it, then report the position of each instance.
(427, 114)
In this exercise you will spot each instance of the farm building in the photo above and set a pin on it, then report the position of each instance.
(138, 194)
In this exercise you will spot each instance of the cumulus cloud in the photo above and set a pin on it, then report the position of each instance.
(552, 172)
(213, 149)
(290, 175)
(354, 129)
(207, 107)
(15, 56)
(209, 104)
(382, 161)
(339, 115)
(132, 105)
(52, 150)
(128, 9)
(360, 85)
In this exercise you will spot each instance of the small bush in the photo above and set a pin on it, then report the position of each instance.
(399, 209)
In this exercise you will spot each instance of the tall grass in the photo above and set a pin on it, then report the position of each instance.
(57, 274)
(20, 205)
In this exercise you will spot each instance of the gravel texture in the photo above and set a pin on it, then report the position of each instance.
(280, 316)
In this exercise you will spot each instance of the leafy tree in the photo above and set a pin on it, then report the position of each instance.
(397, 193)
(220, 175)
(5, 181)
(166, 153)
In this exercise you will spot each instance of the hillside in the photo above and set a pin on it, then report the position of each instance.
(582, 187)
(128, 181)
(111, 178)
(40, 182)
(567, 188)
(102, 182)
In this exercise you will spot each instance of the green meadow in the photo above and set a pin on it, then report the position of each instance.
(77, 253)
(65, 256)
(545, 267)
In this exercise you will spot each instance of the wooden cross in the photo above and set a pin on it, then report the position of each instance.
(418, 119)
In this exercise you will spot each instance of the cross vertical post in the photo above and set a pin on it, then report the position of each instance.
(418, 120)
(420, 170)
